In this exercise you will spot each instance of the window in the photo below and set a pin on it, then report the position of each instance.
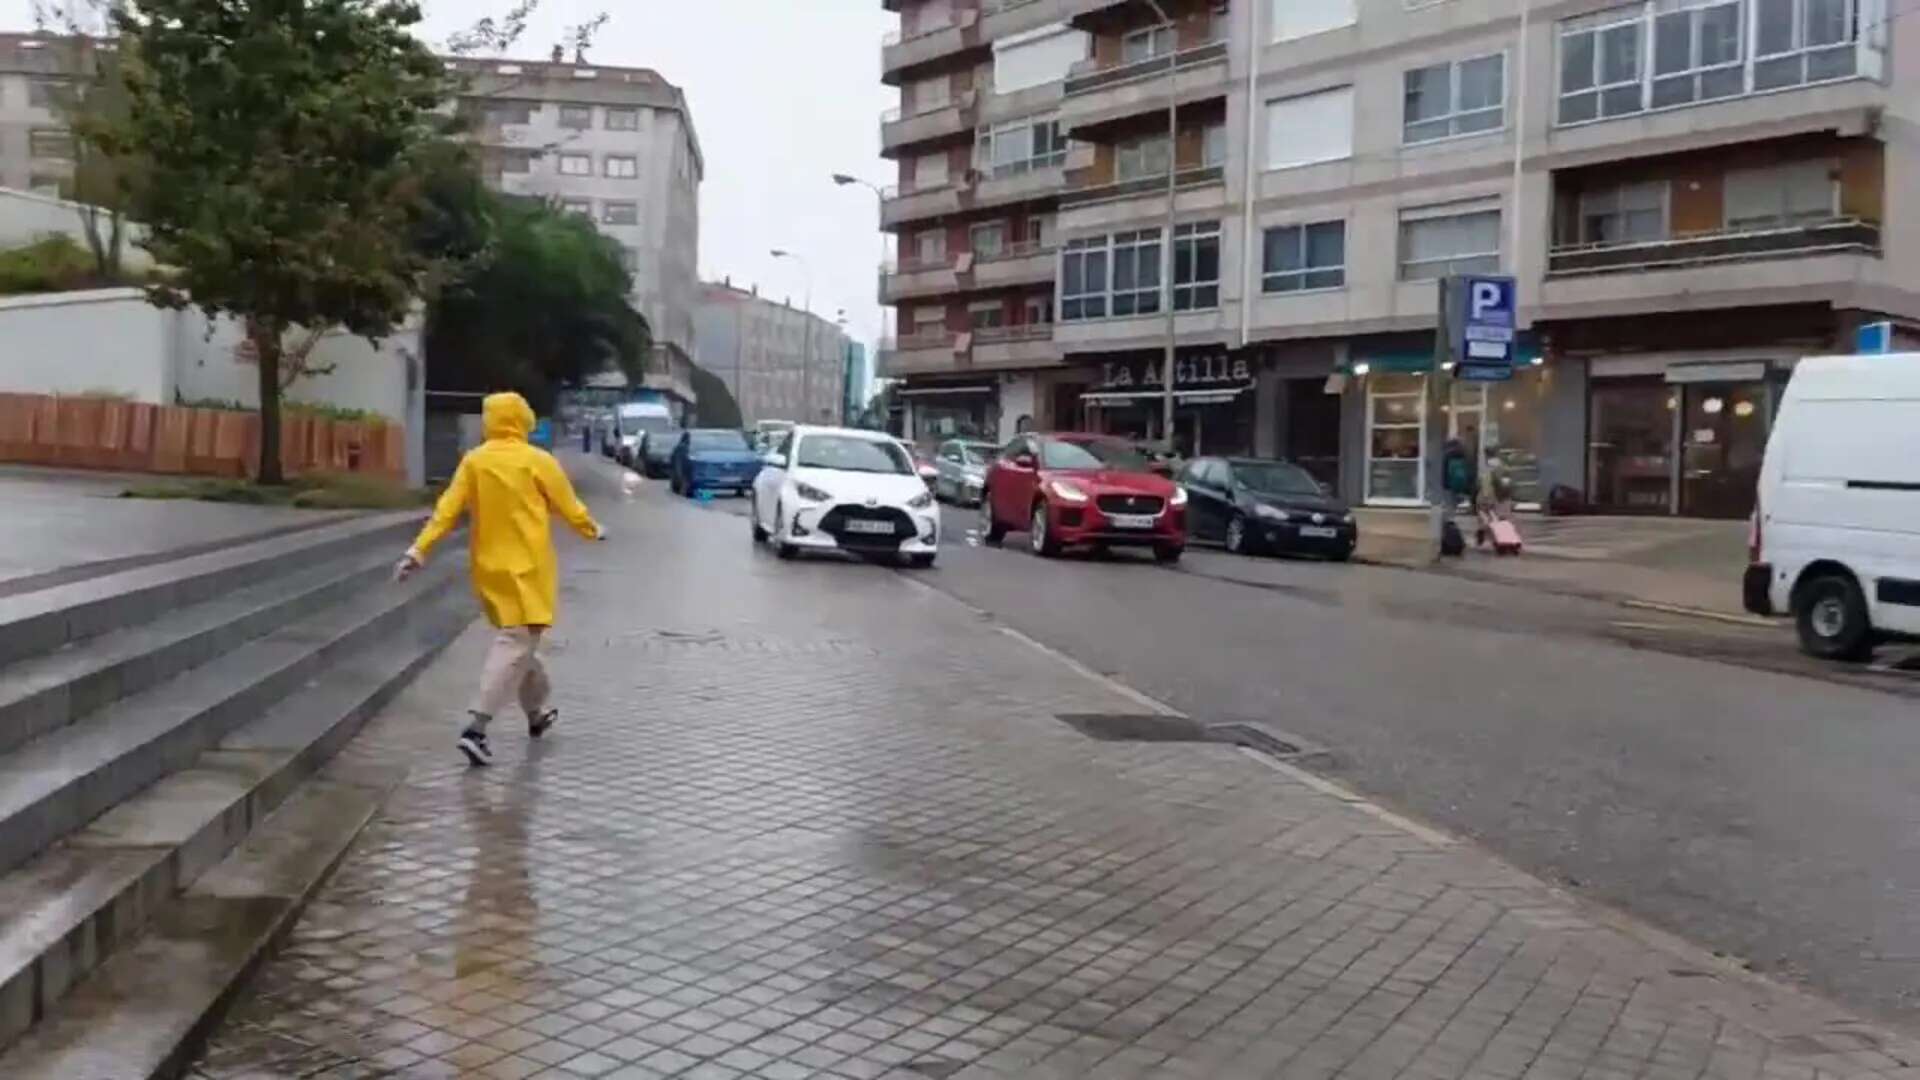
(1310, 128)
(989, 239)
(576, 165)
(1780, 196)
(1697, 54)
(1295, 258)
(1145, 44)
(1626, 214)
(43, 93)
(629, 259)
(1600, 68)
(1136, 273)
(1196, 266)
(50, 143)
(623, 167)
(930, 247)
(505, 161)
(583, 207)
(1455, 99)
(620, 213)
(1083, 279)
(623, 119)
(1037, 230)
(1039, 310)
(1435, 245)
(1036, 58)
(987, 315)
(930, 94)
(1300, 18)
(576, 117)
(509, 112)
(1141, 157)
(1213, 145)
(1800, 41)
(1024, 145)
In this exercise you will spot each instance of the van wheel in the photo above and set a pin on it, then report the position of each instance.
(1830, 613)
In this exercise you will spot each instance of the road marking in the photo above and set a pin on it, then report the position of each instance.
(1701, 613)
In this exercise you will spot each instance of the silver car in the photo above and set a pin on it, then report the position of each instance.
(962, 465)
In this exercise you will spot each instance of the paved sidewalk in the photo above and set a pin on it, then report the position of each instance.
(1673, 561)
(815, 819)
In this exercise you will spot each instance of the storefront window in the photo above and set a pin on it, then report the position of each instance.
(956, 416)
(1630, 461)
(1396, 428)
(1511, 432)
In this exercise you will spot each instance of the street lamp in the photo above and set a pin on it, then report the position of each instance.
(1173, 156)
(806, 355)
(845, 180)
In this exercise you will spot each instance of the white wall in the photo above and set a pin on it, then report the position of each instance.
(107, 341)
(26, 217)
(365, 376)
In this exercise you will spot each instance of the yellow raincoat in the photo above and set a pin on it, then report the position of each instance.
(508, 484)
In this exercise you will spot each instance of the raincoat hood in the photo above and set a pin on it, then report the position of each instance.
(507, 416)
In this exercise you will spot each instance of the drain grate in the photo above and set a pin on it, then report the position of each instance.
(1158, 727)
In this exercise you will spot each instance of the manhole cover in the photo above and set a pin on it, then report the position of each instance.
(1158, 727)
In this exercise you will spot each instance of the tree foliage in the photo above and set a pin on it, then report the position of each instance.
(546, 306)
(283, 144)
(92, 99)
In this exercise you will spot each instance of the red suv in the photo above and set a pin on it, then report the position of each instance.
(1071, 490)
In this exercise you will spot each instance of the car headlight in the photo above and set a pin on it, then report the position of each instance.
(921, 501)
(1271, 513)
(809, 492)
(1179, 496)
(1066, 491)
(1347, 519)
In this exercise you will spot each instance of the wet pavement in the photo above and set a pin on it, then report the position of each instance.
(819, 819)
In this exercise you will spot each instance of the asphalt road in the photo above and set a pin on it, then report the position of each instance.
(1699, 775)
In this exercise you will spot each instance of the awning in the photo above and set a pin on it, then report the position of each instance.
(934, 391)
(1211, 396)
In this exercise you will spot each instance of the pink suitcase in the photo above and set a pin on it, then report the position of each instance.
(1506, 538)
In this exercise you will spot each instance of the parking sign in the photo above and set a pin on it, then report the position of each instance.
(1484, 351)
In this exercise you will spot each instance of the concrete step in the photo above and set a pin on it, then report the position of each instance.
(44, 693)
(69, 909)
(45, 620)
(66, 575)
(144, 1013)
(59, 782)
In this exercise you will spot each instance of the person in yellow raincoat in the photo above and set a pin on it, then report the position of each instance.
(508, 486)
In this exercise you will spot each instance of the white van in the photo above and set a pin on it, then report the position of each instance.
(1836, 531)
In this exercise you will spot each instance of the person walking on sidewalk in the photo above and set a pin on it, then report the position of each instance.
(508, 486)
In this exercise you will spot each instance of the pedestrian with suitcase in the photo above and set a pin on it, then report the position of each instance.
(1493, 504)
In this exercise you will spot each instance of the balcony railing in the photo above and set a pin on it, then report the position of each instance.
(899, 36)
(991, 335)
(1724, 245)
(928, 339)
(1154, 65)
(1018, 250)
(1145, 185)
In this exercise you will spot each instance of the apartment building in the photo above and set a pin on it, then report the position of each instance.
(616, 145)
(1691, 196)
(781, 362)
(36, 153)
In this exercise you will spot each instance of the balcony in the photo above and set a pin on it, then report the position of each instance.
(948, 121)
(907, 202)
(1003, 188)
(912, 277)
(900, 52)
(1026, 263)
(1835, 235)
(909, 354)
(1030, 345)
(1205, 176)
(1096, 96)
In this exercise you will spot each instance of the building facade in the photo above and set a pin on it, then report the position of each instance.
(1691, 196)
(780, 362)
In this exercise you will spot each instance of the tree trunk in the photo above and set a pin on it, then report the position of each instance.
(266, 347)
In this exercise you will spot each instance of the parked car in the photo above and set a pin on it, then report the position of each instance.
(656, 453)
(632, 419)
(707, 459)
(1835, 535)
(1253, 505)
(842, 489)
(960, 470)
(1082, 490)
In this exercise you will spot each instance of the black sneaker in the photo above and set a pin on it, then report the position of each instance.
(474, 745)
(538, 723)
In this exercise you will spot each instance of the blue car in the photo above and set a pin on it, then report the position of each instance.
(713, 459)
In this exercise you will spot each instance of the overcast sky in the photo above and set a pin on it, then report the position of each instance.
(784, 93)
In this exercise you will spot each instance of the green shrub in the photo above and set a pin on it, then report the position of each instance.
(319, 492)
(53, 263)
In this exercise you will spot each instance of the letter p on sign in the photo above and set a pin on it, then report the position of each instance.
(1487, 300)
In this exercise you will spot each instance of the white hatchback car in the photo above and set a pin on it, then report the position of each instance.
(843, 489)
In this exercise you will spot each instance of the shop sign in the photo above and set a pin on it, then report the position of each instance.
(1205, 371)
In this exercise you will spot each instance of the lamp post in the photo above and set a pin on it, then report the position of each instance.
(880, 198)
(1173, 160)
(806, 355)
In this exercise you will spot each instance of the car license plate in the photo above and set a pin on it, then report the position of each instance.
(1131, 521)
(872, 528)
(1318, 532)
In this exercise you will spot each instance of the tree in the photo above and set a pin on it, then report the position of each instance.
(546, 306)
(283, 143)
(92, 100)
(716, 408)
